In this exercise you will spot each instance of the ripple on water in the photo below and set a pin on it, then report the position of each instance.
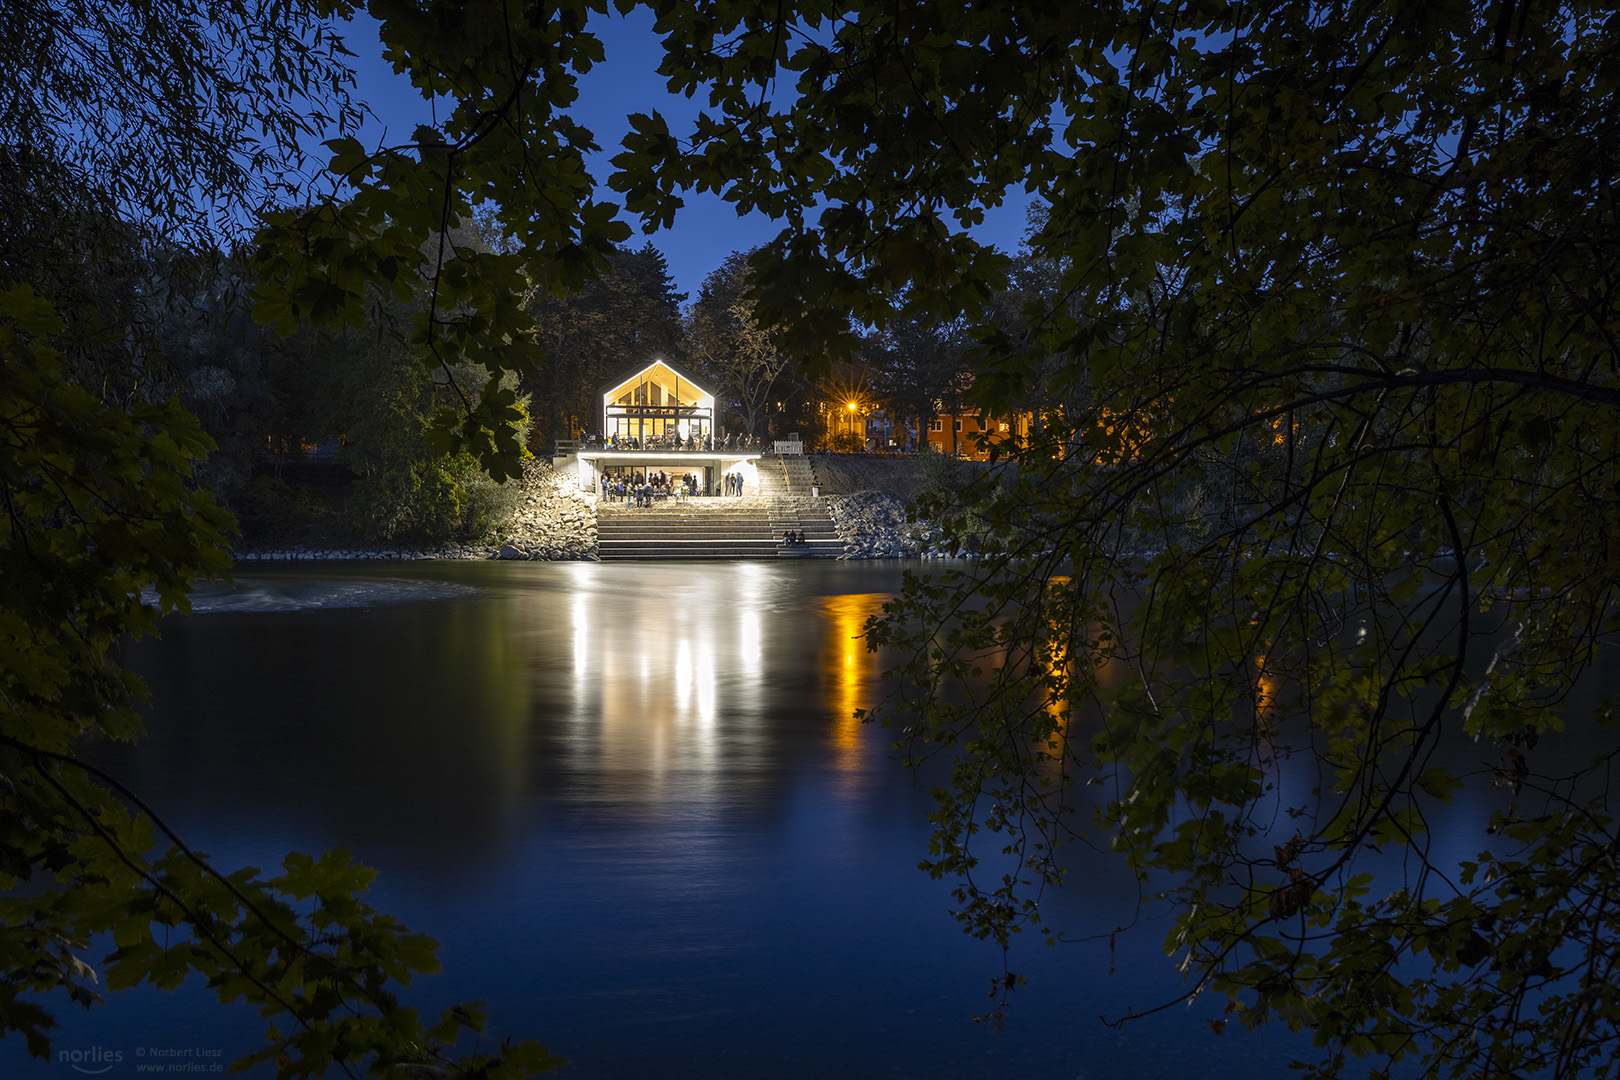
(259, 594)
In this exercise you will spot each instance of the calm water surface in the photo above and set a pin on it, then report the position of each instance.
(632, 804)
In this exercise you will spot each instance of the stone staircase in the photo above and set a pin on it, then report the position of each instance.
(790, 475)
(699, 529)
(787, 481)
(750, 527)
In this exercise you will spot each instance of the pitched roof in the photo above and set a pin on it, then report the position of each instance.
(681, 372)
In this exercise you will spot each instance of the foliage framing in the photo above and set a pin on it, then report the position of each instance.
(1333, 339)
(1331, 349)
(133, 137)
(1325, 482)
(1339, 284)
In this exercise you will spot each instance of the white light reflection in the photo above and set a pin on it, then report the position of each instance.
(748, 643)
(582, 641)
(672, 678)
(707, 704)
(683, 679)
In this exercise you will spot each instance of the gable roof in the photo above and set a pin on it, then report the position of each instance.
(680, 371)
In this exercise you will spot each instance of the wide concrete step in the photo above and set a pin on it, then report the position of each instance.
(761, 514)
(675, 517)
(812, 533)
(676, 548)
(665, 549)
(752, 521)
(678, 515)
(811, 548)
(716, 535)
(742, 528)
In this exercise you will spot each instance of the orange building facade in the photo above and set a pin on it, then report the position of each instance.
(973, 434)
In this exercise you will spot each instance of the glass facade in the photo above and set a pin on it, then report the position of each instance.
(657, 409)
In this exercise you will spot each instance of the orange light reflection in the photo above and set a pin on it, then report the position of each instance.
(850, 668)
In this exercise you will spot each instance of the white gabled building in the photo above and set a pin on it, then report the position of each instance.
(659, 418)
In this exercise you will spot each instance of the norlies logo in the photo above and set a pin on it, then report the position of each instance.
(91, 1062)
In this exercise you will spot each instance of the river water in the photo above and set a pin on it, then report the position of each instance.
(632, 804)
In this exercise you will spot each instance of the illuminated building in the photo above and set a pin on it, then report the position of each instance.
(658, 418)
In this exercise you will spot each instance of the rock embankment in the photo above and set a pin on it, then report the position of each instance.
(873, 525)
(553, 521)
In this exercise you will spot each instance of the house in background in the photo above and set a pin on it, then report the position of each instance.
(855, 427)
(962, 433)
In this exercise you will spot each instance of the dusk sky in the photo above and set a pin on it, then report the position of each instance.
(708, 229)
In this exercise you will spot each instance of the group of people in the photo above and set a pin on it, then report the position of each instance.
(671, 440)
(626, 487)
(654, 487)
(793, 536)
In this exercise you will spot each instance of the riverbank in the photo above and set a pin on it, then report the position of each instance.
(876, 525)
(871, 501)
(868, 500)
(553, 521)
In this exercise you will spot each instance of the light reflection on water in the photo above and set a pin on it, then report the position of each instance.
(851, 669)
(633, 803)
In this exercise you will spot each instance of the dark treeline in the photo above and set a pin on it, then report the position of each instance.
(326, 436)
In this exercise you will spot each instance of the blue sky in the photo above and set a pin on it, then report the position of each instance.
(708, 229)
